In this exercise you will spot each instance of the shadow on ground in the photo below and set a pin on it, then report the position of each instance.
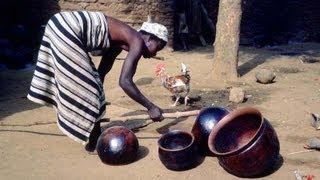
(13, 92)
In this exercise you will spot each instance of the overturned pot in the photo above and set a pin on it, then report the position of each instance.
(203, 125)
(245, 143)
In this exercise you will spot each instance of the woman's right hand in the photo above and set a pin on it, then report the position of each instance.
(155, 113)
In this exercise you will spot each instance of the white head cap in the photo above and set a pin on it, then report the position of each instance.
(156, 29)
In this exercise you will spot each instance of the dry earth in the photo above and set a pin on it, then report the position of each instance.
(43, 152)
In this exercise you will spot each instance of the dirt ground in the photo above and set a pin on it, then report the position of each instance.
(42, 152)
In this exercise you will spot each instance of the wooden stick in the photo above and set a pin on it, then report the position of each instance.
(165, 115)
(149, 121)
(155, 57)
(299, 152)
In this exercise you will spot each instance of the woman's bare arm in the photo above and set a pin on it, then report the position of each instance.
(130, 40)
(107, 61)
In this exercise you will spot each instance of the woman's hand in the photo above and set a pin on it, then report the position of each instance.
(155, 113)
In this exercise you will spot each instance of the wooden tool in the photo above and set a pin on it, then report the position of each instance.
(147, 119)
(122, 118)
(155, 57)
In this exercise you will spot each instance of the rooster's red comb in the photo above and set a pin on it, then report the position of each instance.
(159, 68)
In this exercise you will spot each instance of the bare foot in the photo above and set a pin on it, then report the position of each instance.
(92, 152)
(90, 147)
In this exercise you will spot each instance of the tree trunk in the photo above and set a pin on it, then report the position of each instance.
(227, 40)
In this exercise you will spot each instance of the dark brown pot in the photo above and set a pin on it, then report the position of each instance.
(245, 143)
(178, 150)
(117, 145)
(203, 125)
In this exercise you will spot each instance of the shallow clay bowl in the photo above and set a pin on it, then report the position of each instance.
(245, 143)
(178, 151)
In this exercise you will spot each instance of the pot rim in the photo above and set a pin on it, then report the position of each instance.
(173, 132)
(228, 118)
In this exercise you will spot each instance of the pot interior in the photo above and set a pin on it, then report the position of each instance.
(175, 141)
(237, 133)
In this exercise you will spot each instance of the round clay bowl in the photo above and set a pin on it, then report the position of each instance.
(117, 145)
(178, 151)
(203, 125)
(245, 143)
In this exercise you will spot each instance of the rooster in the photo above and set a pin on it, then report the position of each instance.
(178, 85)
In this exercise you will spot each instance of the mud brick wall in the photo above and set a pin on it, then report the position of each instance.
(269, 22)
(132, 12)
(264, 23)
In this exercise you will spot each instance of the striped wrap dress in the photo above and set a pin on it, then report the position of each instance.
(65, 76)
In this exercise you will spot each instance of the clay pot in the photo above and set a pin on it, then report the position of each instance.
(178, 151)
(117, 145)
(265, 76)
(245, 143)
(206, 120)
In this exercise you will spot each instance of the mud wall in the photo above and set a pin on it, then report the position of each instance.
(263, 22)
(132, 12)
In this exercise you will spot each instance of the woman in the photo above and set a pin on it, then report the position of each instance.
(66, 78)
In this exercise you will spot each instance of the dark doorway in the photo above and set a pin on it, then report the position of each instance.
(193, 25)
(21, 27)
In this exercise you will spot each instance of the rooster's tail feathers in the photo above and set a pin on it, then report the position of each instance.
(184, 68)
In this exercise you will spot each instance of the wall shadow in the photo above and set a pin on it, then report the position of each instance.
(13, 92)
(21, 27)
(253, 63)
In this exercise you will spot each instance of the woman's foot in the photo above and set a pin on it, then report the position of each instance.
(90, 147)
(93, 139)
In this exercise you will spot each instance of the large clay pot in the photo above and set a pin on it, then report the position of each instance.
(245, 143)
(178, 150)
(204, 123)
(117, 145)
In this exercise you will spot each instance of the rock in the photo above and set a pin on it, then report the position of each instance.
(315, 121)
(265, 76)
(236, 95)
(308, 59)
(314, 143)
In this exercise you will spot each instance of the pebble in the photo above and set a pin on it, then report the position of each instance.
(236, 95)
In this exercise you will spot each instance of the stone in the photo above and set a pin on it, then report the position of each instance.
(265, 76)
(236, 95)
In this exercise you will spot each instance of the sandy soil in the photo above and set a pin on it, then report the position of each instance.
(43, 152)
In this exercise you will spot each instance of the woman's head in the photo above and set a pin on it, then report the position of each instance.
(153, 44)
(155, 37)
